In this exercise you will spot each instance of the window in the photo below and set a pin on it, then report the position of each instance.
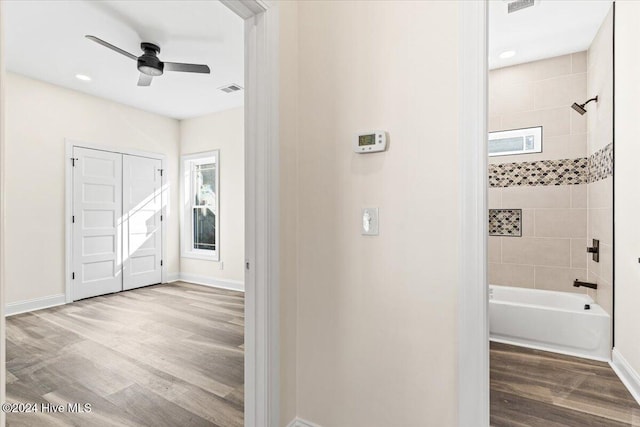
(200, 206)
(517, 141)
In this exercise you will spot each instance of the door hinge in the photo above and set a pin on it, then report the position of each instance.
(247, 265)
(161, 171)
(160, 263)
(160, 217)
(73, 219)
(73, 276)
(73, 161)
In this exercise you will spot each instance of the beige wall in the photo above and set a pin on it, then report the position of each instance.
(39, 116)
(552, 250)
(627, 200)
(600, 127)
(222, 131)
(376, 315)
(288, 132)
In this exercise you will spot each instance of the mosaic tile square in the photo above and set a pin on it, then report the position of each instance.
(505, 222)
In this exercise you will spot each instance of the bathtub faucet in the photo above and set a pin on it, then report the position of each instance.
(577, 283)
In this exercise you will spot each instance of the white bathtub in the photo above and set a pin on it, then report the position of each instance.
(548, 320)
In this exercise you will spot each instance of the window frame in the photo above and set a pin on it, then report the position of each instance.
(535, 131)
(187, 162)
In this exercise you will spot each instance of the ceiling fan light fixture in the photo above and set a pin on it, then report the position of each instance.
(149, 64)
(149, 70)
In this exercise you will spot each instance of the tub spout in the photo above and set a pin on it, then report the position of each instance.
(577, 283)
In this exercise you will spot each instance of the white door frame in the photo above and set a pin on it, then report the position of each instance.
(3, 371)
(68, 204)
(262, 181)
(473, 299)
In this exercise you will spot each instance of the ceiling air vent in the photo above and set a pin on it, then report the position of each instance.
(517, 5)
(230, 88)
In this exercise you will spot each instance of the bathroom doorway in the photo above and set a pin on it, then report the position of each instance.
(550, 200)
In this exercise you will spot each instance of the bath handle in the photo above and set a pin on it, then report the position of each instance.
(595, 250)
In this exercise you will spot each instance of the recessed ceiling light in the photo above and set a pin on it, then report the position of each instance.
(83, 77)
(507, 54)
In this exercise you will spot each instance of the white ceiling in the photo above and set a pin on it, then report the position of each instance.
(550, 28)
(45, 40)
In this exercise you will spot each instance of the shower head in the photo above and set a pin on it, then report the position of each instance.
(580, 107)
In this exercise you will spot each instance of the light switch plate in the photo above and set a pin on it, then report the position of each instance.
(369, 222)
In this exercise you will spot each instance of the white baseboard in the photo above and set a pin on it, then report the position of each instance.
(234, 285)
(299, 422)
(626, 373)
(34, 304)
(54, 300)
(172, 277)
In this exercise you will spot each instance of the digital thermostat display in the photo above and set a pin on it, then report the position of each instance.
(370, 142)
(364, 140)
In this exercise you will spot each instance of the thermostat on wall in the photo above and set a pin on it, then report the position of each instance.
(370, 142)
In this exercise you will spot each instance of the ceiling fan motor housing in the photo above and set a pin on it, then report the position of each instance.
(149, 63)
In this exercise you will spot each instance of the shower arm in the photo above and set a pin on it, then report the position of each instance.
(595, 98)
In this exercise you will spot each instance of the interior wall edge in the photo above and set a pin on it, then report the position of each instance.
(629, 376)
(3, 77)
(473, 317)
(299, 422)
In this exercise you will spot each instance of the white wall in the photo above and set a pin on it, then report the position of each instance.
(222, 131)
(627, 177)
(39, 116)
(376, 316)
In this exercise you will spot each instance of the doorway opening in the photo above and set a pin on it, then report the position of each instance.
(260, 131)
(550, 216)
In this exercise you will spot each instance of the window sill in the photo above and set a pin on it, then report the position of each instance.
(195, 255)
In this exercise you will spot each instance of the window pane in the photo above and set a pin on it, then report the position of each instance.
(506, 144)
(204, 185)
(204, 229)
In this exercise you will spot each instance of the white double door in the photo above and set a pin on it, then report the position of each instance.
(117, 212)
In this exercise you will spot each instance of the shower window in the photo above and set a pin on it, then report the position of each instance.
(515, 141)
(200, 205)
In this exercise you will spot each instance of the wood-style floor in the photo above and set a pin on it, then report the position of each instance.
(165, 355)
(537, 388)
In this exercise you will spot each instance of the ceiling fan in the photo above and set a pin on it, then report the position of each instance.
(149, 64)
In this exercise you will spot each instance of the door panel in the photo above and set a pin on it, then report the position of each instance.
(97, 209)
(142, 231)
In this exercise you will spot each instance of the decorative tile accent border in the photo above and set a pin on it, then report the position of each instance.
(543, 172)
(601, 164)
(505, 222)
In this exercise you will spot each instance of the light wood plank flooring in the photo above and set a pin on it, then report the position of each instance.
(164, 355)
(537, 388)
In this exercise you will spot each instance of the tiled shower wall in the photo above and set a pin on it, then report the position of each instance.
(562, 197)
(552, 250)
(600, 139)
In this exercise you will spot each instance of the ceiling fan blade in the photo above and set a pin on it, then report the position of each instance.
(187, 68)
(112, 47)
(144, 80)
